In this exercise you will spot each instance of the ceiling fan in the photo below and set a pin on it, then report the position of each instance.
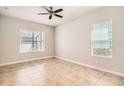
(51, 12)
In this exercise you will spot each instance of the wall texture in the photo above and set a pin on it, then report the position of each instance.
(73, 40)
(10, 39)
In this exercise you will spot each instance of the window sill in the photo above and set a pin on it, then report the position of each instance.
(101, 56)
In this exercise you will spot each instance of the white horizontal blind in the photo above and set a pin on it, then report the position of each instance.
(31, 41)
(101, 39)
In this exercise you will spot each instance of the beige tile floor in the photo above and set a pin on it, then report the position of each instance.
(55, 72)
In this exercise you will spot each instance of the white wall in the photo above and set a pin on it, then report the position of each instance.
(10, 39)
(73, 40)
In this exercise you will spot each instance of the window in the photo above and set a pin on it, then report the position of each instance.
(101, 39)
(31, 41)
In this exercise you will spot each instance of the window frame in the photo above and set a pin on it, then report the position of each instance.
(92, 54)
(42, 45)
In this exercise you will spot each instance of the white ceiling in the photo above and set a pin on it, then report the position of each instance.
(30, 13)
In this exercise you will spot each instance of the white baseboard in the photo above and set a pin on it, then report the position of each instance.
(21, 61)
(94, 67)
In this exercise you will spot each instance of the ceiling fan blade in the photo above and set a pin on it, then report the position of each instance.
(58, 10)
(50, 17)
(46, 8)
(43, 13)
(58, 15)
(51, 8)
